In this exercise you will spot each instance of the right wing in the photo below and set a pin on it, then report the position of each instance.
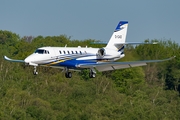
(12, 60)
(119, 65)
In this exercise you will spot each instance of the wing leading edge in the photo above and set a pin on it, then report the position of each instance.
(12, 60)
(119, 65)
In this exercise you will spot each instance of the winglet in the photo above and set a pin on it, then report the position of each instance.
(173, 57)
(6, 58)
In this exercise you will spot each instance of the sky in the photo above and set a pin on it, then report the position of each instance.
(92, 19)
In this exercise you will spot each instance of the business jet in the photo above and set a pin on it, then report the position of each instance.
(78, 58)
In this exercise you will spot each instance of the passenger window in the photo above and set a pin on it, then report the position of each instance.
(76, 52)
(64, 52)
(68, 52)
(72, 52)
(80, 52)
(60, 52)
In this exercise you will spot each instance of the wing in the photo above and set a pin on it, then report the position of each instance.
(119, 65)
(12, 60)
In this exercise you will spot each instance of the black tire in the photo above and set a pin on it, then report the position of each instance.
(92, 75)
(68, 75)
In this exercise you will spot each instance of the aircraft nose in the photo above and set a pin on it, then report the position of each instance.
(28, 60)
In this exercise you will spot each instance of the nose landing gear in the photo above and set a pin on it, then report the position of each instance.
(35, 71)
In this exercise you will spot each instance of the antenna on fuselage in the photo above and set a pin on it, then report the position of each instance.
(65, 46)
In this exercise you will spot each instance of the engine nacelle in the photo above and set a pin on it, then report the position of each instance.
(101, 52)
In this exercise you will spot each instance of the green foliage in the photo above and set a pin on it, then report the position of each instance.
(149, 92)
(127, 79)
(8, 38)
(167, 71)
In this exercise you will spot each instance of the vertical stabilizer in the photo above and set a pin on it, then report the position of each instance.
(118, 37)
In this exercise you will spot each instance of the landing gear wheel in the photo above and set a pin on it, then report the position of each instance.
(92, 73)
(68, 74)
(35, 71)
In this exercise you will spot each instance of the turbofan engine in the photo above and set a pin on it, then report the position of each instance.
(101, 52)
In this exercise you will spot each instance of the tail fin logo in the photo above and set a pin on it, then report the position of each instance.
(120, 26)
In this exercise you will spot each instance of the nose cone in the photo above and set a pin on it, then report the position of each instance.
(28, 60)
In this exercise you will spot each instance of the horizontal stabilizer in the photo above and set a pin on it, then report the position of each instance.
(12, 60)
(126, 43)
(138, 43)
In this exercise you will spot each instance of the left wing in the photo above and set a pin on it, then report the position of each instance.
(119, 65)
(12, 60)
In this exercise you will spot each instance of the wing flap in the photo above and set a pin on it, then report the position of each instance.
(121, 66)
(104, 68)
(118, 66)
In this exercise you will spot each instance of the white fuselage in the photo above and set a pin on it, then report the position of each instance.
(71, 56)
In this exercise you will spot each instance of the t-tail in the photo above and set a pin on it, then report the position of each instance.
(118, 38)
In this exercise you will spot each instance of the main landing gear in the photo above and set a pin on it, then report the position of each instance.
(92, 73)
(67, 73)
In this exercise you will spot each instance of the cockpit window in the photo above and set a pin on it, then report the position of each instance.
(41, 51)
